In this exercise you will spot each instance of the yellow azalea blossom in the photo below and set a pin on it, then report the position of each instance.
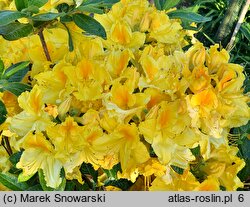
(152, 167)
(163, 29)
(124, 141)
(210, 184)
(160, 128)
(73, 143)
(117, 62)
(54, 83)
(17, 48)
(199, 79)
(175, 182)
(5, 163)
(230, 78)
(196, 55)
(33, 116)
(122, 35)
(11, 104)
(39, 154)
(206, 100)
(225, 165)
(215, 58)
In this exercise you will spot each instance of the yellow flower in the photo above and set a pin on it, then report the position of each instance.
(121, 34)
(163, 29)
(196, 55)
(73, 143)
(210, 184)
(54, 83)
(33, 116)
(199, 79)
(117, 62)
(175, 182)
(230, 78)
(125, 142)
(206, 100)
(161, 126)
(215, 58)
(39, 154)
(225, 165)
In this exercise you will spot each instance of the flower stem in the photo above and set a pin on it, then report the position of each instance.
(45, 48)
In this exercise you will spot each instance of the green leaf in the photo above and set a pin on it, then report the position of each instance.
(112, 174)
(196, 151)
(15, 157)
(101, 3)
(15, 30)
(11, 182)
(3, 112)
(159, 4)
(170, 4)
(70, 41)
(188, 16)
(46, 16)
(14, 87)
(88, 169)
(1, 67)
(36, 187)
(37, 3)
(63, 7)
(245, 29)
(123, 184)
(16, 72)
(21, 4)
(91, 8)
(31, 10)
(177, 169)
(89, 25)
(44, 186)
(7, 16)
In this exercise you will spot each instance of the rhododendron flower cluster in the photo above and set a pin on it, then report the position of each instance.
(137, 99)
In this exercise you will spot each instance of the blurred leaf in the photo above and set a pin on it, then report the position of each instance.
(177, 169)
(112, 174)
(123, 184)
(11, 182)
(15, 157)
(159, 4)
(202, 2)
(15, 30)
(31, 10)
(88, 170)
(46, 16)
(188, 16)
(63, 7)
(70, 185)
(245, 29)
(14, 87)
(1, 67)
(244, 153)
(3, 112)
(36, 187)
(16, 72)
(89, 25)
(170, 4)
(38, 3)
(196, 151)
(21, 4)
(102, 3)
(44, 186)
(70, 40)
(91, 8)
(7, 16)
